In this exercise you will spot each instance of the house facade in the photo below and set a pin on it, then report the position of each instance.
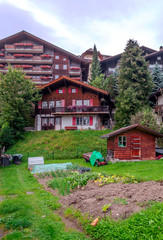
(111, 64)
(134, 142)
(69, 104)
(157, 99)
(40, 60)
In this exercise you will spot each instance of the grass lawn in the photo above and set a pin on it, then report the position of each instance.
(29, 216)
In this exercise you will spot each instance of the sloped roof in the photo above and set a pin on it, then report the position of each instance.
(73, 81)
(154, 54)
(135, 126)
(24, 34)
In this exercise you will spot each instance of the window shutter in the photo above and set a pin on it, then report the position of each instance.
(39, 105)
(76, 90)
(91, 121)
(91, 102)
(69, 90)
(63, 103)
(57, 90)
(73, 102)
(73, 121)
(63, 90)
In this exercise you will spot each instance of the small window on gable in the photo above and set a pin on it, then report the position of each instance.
(56, 57)
(73, 90)
(122, 142)
(44, 104)
(60, 90)
(64, 59)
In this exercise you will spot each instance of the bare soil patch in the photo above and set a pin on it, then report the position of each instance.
(131, 197)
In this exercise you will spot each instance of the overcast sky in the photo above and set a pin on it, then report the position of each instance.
(75, 25)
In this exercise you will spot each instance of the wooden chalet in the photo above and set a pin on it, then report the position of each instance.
(133, 142)
(40, 60)
(69, 104)
(110, 64)
(157, 99)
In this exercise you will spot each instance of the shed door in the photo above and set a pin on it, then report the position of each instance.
(136, 147)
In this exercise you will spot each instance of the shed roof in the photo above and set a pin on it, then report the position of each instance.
(135, 126)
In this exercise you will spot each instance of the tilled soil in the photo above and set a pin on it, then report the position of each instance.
(92, 198)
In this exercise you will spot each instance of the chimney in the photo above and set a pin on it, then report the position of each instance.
(161, 48)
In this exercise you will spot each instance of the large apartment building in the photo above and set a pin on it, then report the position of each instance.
(40, 60)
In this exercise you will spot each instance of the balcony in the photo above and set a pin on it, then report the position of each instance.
(23, 59)
(75, 110)
(13, 48)
(32, 71)
(74, 71)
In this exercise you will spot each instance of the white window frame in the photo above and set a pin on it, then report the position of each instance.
(86, 102)
(44, 105)
(78, 102)
(51, 104)
(60, 91)
(56, 76)
(64, 66)
(56, 66)
(56, 57)
(73, 90)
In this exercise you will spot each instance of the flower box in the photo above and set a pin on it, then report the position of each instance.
(45, 56)
(2, 54)
(2, 66)
(46, 67)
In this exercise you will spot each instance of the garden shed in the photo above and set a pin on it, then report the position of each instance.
(134, 142)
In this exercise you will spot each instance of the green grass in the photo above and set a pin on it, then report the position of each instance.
(29, 216)
(60, 144)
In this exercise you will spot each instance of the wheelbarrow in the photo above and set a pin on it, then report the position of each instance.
(95, 158)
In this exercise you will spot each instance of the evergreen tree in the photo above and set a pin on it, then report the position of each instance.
(16, 97)
(95, 67)
(157, 78)
(134, 84)
(113, 85)
(100, 82)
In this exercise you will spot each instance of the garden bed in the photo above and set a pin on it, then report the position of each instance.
(124, 198)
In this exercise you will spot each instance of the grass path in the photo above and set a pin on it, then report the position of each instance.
(30, 216)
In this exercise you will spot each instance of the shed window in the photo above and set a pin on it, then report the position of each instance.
(122, 142)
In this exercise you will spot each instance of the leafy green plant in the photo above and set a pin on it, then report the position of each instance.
(118, 200)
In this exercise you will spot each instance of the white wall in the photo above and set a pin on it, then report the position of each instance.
(160, 100)
(67, 122)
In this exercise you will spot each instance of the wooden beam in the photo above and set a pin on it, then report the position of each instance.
(49, 90)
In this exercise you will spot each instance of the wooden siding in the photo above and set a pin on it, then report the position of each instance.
(125, 153)
(68, 97)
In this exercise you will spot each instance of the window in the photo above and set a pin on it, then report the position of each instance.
(73, 90)
(56, 57)
(85, 120)
(51, 104)
(44, 121)
(158, 58)
(64, 59)
(56, 76)
(122, 142)
(51, 121)
(44, 104)
(78, 102)
(56, 66)
(64, 67)
(58, 103)
(60, 91)
(79, 120)
(86, 103)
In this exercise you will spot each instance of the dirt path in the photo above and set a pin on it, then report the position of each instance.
(125, 199)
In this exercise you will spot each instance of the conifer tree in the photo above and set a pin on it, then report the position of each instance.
(134, 84)
(95, 67)
(157, 78)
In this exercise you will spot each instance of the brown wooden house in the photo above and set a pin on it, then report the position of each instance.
(133, 142)
(70, 104)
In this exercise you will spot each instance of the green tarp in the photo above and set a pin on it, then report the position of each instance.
(96, 156)
(50, 167)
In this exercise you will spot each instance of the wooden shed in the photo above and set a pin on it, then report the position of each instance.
(133, 142)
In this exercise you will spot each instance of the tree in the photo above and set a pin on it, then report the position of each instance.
(101, 82)
(95, 66)
(6, 137)
(157, 78)
(17, 94)
(113, 85)
(147, 118)
(134, 84)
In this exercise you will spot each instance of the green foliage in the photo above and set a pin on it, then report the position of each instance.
(134, 84)
(6, 136)
(113, 85)
(16, 97)
(100, 82)
(106, 207)
(157, 78)
(147, 118)
(118, 200)
(95, 66)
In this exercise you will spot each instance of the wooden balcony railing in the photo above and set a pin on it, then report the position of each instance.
(74, 109)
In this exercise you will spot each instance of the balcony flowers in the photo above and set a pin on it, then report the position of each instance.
(2, 66)
(45, 56)
(46, 67)
(45, 78)
(23, 44)
(27, 66)
(2, 54)
(75, 68)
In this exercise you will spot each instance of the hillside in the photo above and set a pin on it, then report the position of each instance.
(60, 144)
